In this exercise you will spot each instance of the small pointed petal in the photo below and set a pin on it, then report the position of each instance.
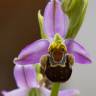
(55, 21)
(33, 52)
(16, 92)
(25, 76)
(79, 52)
(69, 92)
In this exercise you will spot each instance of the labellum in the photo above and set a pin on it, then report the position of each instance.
(58, 63)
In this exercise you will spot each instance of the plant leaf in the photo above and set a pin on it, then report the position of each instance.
(40, 19)
(75, 9)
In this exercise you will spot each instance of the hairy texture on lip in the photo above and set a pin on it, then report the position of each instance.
(58, 73)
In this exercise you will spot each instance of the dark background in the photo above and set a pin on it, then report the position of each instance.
(18, 27)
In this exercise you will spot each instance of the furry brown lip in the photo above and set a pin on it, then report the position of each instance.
(58, 73)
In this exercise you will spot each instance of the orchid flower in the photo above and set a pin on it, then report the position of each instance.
(53, 24)
(55, 27)
(25, 76)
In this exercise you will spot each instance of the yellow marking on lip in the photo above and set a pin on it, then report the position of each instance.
(56, 65)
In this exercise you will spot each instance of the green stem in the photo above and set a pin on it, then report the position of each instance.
(34, 92)
(55, 89)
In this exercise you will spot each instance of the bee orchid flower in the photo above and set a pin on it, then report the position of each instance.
(55, 27)
(55, 22)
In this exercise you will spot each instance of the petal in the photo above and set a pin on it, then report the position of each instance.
(25, 76)
(55, 21)
(69, 92)
(79, 52)
(16, 92)
(66, 92)
(32, 53)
